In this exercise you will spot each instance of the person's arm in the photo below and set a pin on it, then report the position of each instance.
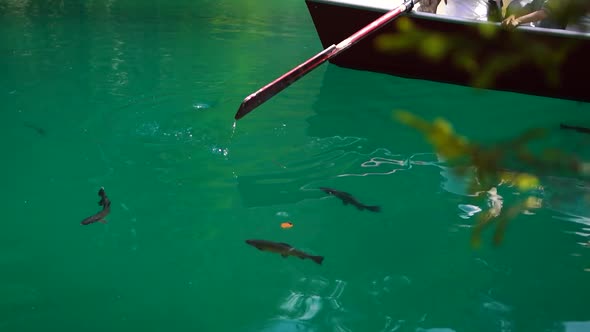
(513, 21)
(429, 6)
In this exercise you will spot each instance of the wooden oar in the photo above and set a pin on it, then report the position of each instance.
(268, 91)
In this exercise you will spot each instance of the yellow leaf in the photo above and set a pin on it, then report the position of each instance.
(404, 24)
(525, 182)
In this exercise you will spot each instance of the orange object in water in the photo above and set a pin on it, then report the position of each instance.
(287, 224)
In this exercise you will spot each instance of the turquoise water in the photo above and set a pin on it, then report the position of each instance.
(139, 97)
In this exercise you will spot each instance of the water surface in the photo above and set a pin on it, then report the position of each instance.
(139, 97)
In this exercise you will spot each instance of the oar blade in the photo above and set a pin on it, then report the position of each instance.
(268, 91)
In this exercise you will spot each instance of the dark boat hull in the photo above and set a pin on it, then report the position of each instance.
(565, 79)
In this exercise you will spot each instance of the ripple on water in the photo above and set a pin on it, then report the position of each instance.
(569, 199)
(383, 162)
(382, 288)
(284, 325)
(289, 178)
(305, 301)
(311, 297)
(468, 210)
(574, 326)
(201, 106)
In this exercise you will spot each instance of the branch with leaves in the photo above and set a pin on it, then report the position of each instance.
(493, 167)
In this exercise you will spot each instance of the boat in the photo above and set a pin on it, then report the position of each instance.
(437, 47)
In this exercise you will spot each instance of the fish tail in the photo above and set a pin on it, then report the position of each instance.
(374, 208)
(317, 259)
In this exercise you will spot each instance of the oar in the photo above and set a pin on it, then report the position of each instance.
(268, 91)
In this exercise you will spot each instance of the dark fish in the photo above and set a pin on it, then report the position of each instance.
(105, 202)
(283, 249)
(576, 128)
(36, 128)
(349, 199)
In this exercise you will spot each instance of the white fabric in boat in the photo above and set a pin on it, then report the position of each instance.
(469, 9)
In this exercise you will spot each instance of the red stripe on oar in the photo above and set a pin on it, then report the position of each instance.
(268, 91)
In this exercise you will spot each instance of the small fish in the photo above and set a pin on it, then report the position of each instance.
(576, 128)
(349, 199)
(283, 249)
(105, 202)
(36, 128)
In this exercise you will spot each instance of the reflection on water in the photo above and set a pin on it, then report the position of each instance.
(319, 302)
(224, 27)
(312, 295)
(378, 163)
(315, 299)
(285, 325)
(147, 90)
(568, 196)
(576, 326)
(301, 306)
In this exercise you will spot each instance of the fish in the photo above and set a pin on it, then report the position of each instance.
(576, 128)
(105, 202)
(349, 199)
(286, 224)
(283, 249)
(36, 128)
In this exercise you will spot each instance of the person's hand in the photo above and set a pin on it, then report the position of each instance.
(510, 22)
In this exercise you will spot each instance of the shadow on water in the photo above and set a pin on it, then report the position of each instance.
(298, 179)
(352, 132)
(39, 130)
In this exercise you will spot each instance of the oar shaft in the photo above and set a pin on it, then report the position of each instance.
(268, 91)
(378, 23)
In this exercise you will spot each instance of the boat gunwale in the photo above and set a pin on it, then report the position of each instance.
(455, 20)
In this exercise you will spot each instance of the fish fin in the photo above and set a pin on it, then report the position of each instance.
(317, 259)
(373, 208)
(284, 255)
(102, 221)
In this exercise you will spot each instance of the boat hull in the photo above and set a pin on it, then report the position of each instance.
(530, 55)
